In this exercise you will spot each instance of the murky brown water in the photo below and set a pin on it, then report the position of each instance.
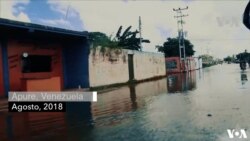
(175, 108)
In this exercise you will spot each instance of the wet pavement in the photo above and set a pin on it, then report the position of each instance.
(197, 106)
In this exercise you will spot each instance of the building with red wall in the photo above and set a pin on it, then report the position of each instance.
(41, 58)
(175, 65)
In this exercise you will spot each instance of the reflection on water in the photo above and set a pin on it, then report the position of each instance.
(125, 99)
(47, 126)
(243, 78)
(133, 97)
(146, 112)
(78, 122)
(31, 126)
(181, 82)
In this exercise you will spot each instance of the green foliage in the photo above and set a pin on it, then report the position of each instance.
(103, 41)
(230, 59)
(128, 39)
(207, 58)
(171, 47)
(244, 56)
(100, 39)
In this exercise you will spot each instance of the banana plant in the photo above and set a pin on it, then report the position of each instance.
(128, 39)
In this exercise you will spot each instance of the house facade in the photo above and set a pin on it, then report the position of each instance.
(41, 58)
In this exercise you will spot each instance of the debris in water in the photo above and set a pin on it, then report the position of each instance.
(209, 115)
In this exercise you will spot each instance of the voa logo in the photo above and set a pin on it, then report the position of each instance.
(241, 134)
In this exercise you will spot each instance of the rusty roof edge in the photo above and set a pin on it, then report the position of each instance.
(44, 28)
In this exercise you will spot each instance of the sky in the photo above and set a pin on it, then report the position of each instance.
(214, 27)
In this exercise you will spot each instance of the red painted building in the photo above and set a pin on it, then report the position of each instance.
(41, 58)
(175, 65)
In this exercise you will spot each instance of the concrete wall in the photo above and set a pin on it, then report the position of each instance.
(197, 66)
(191, 63)
(69, 60)
(107, 67)
(198, 63)
(18, 80)
(148, 65)
(173, 65)
(110, 66)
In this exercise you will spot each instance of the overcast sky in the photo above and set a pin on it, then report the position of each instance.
(213, 26)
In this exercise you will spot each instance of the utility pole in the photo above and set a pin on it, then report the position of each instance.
(180, 22)
(0, 9)
(140, 32)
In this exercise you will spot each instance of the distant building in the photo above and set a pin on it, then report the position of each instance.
(175, 65)
(41, 58)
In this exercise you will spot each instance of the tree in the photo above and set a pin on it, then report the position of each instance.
(230, 59)
(244, 56)
(171, 47)
(128, 39)
(100, 39)
(207, 58)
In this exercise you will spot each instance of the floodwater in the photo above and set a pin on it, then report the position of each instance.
(198, 106)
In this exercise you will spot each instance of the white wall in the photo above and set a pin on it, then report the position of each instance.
(197, 64)
(148, 65)
(103, 71)
(200, 63)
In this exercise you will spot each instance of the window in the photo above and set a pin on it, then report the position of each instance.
(36, 63)
(171, 64)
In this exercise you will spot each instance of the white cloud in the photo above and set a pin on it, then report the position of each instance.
(63, 8)
(58, 7)
(67, 13)
(22, 17)
(56, 23)
(7, 11)
(213, 25)
(158, 20)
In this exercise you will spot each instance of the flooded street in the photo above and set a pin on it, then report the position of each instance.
(198, 106)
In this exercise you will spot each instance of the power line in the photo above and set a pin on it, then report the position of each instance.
(180, 23)
(140, 31)
(211, 40)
